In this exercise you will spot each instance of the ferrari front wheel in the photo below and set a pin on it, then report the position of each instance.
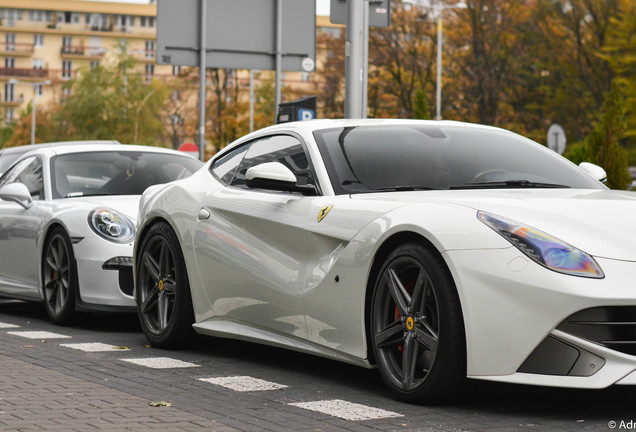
(164, 302)
(417, 329)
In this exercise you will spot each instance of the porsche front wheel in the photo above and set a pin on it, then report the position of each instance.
(59, 277)
(163, 296)
(417, 330)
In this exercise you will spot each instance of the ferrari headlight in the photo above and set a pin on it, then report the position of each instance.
(542, 248)
(111, 225)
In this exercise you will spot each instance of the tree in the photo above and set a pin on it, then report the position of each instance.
(602, 146)
(401, 59)
(113, 102)
(421, 108)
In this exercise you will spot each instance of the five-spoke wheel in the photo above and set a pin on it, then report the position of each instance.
(416, 326)
(163, 291)
(59, 277)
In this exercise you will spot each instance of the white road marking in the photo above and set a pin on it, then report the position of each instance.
(94, 347)
(160, 363)
(38, 335)
(6, 325)
(346, 410)
(243, 383)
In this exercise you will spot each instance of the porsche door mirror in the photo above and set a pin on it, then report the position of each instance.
(594, 170)
(16, 192)
(275, 176)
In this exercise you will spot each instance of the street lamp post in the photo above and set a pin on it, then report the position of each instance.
(438, 7)
(33, 102)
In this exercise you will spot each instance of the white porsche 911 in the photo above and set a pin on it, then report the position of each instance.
(435, 251)
(67, 223)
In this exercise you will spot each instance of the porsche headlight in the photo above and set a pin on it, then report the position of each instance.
(111, 225)
(542, 248)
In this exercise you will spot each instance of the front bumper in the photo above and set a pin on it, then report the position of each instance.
(104, 271)
(519, 320)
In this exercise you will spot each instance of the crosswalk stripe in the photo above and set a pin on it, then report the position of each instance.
(38, 335)
(244, 383)
(7, 325)
(94, 347)
(346, 410)
(160, 362)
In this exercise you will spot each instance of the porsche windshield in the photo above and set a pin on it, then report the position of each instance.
(364, 159)
(116, 172)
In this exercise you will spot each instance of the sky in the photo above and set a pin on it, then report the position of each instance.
(322, 6)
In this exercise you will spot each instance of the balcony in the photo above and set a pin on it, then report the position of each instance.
(23, 73)
(10, 104)
(91, 53)
(16, 49)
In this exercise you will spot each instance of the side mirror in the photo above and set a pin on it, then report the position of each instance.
(16, 192)
(275, 176)
(594, 170)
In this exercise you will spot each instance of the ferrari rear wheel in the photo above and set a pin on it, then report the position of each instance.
(164, 302)
(417, 328)
(59, 277)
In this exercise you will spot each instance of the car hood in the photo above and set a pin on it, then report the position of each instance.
(600, 222)
(125, 204)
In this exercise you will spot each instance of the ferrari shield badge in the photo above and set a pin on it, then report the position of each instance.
(323, 212)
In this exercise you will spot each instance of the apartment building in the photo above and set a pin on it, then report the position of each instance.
(43, 43)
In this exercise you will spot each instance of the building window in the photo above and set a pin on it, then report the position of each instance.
(97, 21)
(9, 62)
(9, 92)
(94, 64)
(176, 70)
(150, 71)
(10, 40)
(146, 21)
(39, 16)
(125, 21)
(67, 69)
(38, 89)
(11, 16)
(150, 49)
(8, 114)
(38, 63)
(38, 40)
(305, 76)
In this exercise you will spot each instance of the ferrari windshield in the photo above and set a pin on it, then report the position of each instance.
(116, 172)
(405, 156)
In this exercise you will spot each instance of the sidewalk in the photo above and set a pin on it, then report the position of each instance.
(33, 398)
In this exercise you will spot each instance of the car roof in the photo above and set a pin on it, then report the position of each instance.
(29, 147)
(64, 149)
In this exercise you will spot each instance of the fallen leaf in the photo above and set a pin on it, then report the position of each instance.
(121, 347)
(160, 404)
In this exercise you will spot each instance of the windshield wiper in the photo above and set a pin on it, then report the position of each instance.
(401, 188)
(511, 184)
(81, 194)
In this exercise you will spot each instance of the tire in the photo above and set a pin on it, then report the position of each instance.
(164, 302)
(417, 329)
(59, 278)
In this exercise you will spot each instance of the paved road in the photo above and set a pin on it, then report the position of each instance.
(100, 374)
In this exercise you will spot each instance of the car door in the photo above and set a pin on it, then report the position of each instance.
(250, 245)
(19, 228)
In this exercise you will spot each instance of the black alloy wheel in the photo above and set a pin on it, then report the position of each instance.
(163, 296)
(417, 328)
(59, 277)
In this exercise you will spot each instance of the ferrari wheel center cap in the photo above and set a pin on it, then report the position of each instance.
(410, 323)
(161, 285)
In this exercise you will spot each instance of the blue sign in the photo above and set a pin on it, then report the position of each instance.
(306, 114)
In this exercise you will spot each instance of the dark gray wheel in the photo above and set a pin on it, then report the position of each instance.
(59, 277)
(417, 328)
(163, 292)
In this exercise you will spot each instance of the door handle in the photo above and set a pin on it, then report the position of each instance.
(203, 214)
